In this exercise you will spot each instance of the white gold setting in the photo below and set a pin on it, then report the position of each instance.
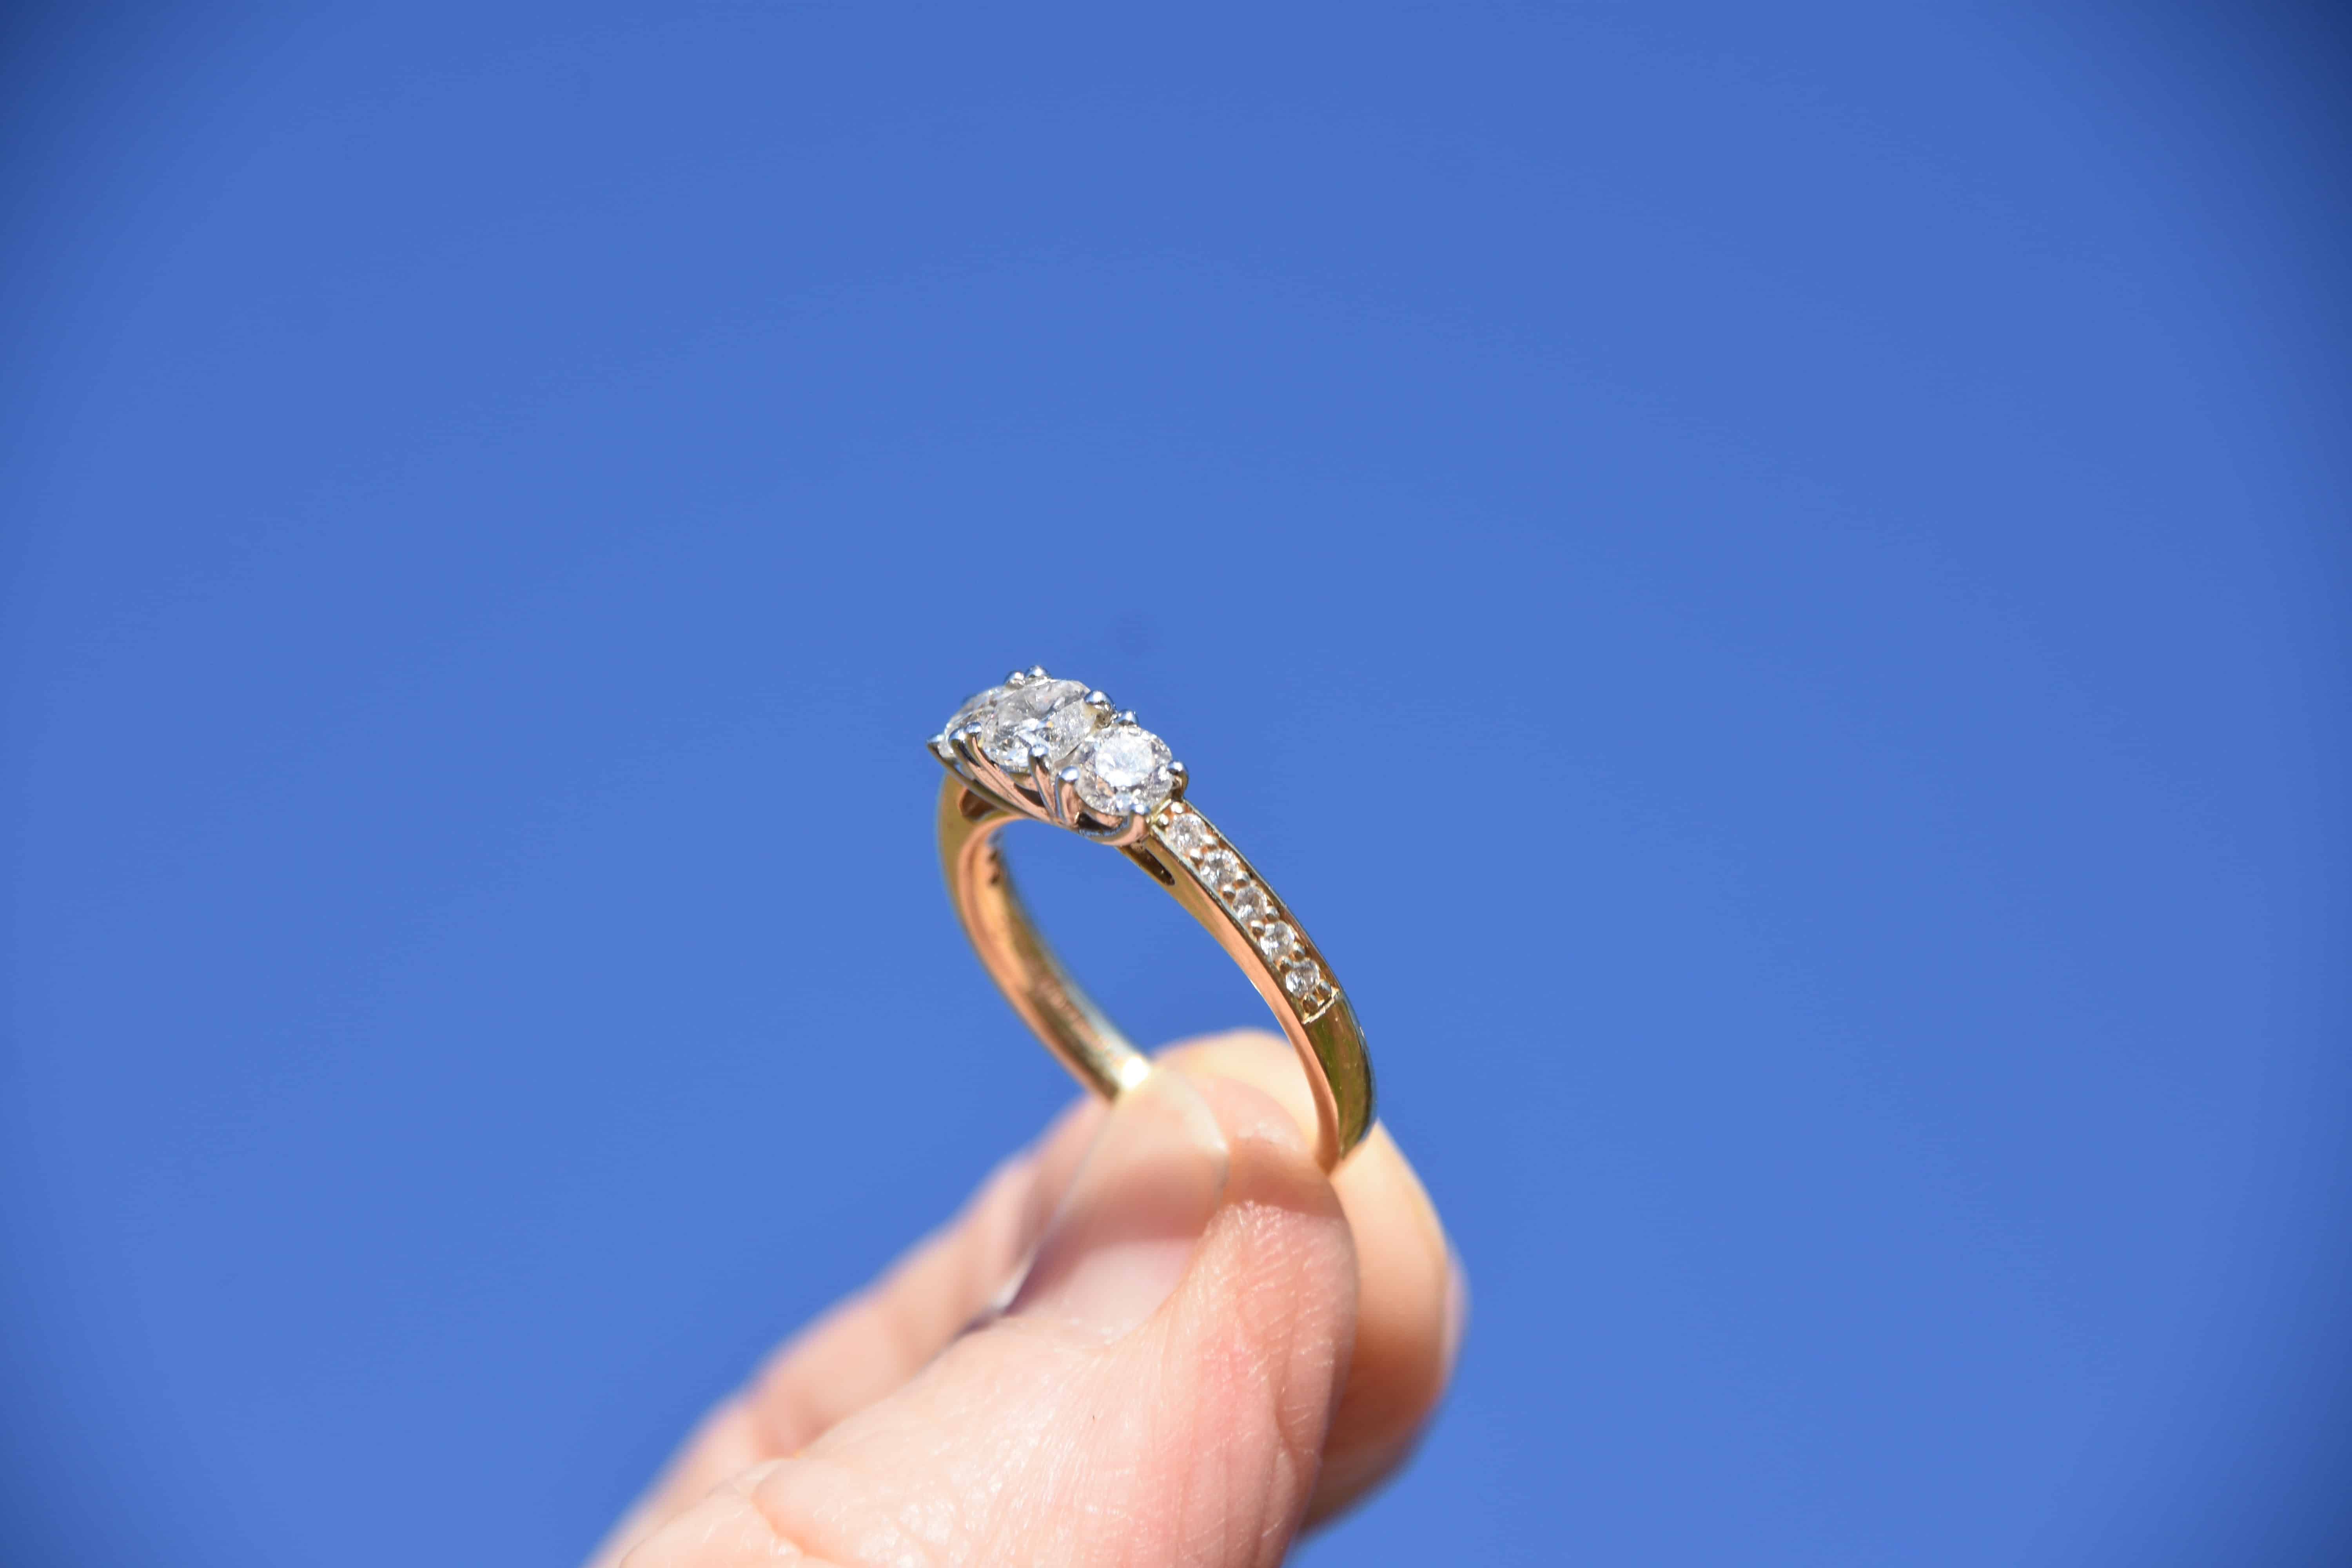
(1056, 751)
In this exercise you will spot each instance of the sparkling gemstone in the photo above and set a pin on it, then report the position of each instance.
(1303, 978)
(1037, 712)
(975, 709)
(1278, 939)
(1249, 902)
(1219, 867)
(1189, 834)
(1124, 769)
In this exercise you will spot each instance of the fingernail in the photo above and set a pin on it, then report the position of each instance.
(1126, 1228)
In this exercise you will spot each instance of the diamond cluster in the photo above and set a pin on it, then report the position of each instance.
(1227, 875)
(1118, 768)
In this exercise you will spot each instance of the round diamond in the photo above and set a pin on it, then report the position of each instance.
(1249, 902)
(1123, 771)
(1278, 939)
(1037, 712)
(1189, 834)
(1303, 978)
(974, 710)
(1219, 867)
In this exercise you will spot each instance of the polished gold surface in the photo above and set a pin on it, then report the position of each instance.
(977, 801)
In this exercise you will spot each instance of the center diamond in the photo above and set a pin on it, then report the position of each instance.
(1054, 714)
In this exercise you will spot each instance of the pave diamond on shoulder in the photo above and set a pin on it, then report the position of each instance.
(1187, 834)
(1277, 939)
(1219, 868)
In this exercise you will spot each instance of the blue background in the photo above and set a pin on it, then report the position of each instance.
(1834, 517)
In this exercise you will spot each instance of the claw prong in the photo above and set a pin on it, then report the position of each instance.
(1041, 778)
(1070, 810)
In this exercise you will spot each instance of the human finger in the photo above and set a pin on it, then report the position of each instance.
(1159, 1390)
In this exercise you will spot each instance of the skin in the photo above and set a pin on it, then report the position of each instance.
(1161, 1335)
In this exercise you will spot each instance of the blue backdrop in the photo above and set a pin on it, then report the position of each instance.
(1841, 510)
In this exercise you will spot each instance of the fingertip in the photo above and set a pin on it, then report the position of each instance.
(1248, 1111)
(1129, 1226)
(1261, 1059)
(1278, 1196)
(1267, 1316)
(1206, 1390)
(1413, 1297)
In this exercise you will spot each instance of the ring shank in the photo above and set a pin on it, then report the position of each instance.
(1327, 1037)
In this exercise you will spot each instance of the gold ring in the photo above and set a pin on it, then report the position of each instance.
(1055, 751)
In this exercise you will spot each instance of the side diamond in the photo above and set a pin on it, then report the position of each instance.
(1219, 867)
(1123, 770)
(975, 710)
(1187, 834)
(1277, 939)
(1249, 903)
(1303, 978)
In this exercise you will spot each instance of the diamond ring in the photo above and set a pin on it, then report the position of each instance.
(1055, 751)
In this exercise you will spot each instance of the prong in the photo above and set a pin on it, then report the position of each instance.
(1037, 672)
(1017, 677)
(1118, 835)
(1125, 716)
(1179, 778)
(984, 771)
(1098, 703)
(976, 768)
(1069, 808)
(1041, 776)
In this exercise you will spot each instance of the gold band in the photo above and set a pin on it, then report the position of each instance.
(1185, 854)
